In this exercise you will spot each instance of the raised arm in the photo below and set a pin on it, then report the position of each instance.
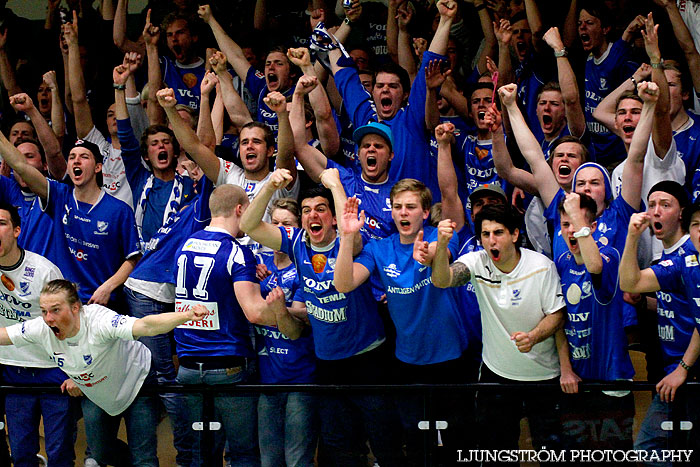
(634, 166)
(545, 181)
(81, 108)
(32, 177)
(570, 31)
(349, 275)
(490, 47)
(662, 135)
(434, 78)
(285, 140)
(119, 31)
(151, 35)
(404, 46)
(684, 38)
(504, 33)
(605, 111)
(7, 72)
(448, 11)
(58, 125)
(205, 126)
(534, 20)
(313, 161)
(444, 275)
(631, 278)
(325, 123)
(55, 161)
(452, 207)
(392, 30)
(501, 157)
(162, 323)
(201, 154)
(235, 107)
(234, 53)
(251, 221)
(575, 118)
(120, 75)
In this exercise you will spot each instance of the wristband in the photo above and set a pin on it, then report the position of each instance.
(119, 87)
(684, 365)
(561, 53)
(347, 21)
(634, 81)
(480, 7)
(658, 64)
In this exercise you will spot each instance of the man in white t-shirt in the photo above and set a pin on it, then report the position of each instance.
(23, 275)
(96, 348)
(521, 305)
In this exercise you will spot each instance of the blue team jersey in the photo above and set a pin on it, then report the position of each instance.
(347, 144)
(594, 328)
(208, 265)
(282, 360)
(673, 309)
(160, 194)
(467, 301)
(411, 139)
(256, 84)
(429, 327)
(157, 263)
(603, 75)
(681, 274)
(90, 242)
(342, 324)
(374, 200)
(37, 227)
(687, 140)
(531, 74)
(479, 167)
(184, 80)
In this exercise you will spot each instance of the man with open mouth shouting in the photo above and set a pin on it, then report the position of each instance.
(521, 307)
(348, 333)
(94, 240)
(97, 348)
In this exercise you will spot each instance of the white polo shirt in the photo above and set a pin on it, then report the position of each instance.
(513, 302)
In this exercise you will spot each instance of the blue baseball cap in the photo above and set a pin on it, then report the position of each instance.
(376, 128)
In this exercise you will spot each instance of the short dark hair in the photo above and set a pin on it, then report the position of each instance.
(269, 137)
(394, 69)
(35, 143)
(155, 129)
(549, 86)
(318, 192)
(569, 139)
(688, 213)
(170, 18)
(14, 213)
(586, 203)
(479, 85)
(628, 95)
(504, 214)
(597, 9)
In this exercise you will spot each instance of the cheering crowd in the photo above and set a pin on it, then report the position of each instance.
(348, 193)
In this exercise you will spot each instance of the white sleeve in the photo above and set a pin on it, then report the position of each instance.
(229, 173)
(94, 136)
(28, 332)
(109, 325)
(550, 291)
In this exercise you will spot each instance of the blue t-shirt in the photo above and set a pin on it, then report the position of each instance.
(184, 80)
(90, 242)
(256, 84)
(531, 74)
(37, 227)
(681, 274)
(594, 328)
(282, 360)
(208, 265)
(411, 139)
(688, 147)
(342, 324)
(603, 75)
(429, 327)
(374, 200)
(467, 302)
(159, 194)
(479, 167)
(157, 263)
(674, 309)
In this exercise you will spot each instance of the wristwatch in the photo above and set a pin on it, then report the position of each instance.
(658, 64)
(561, 53)
(584, 232)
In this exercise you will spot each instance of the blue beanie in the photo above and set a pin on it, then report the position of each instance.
(606, 178)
